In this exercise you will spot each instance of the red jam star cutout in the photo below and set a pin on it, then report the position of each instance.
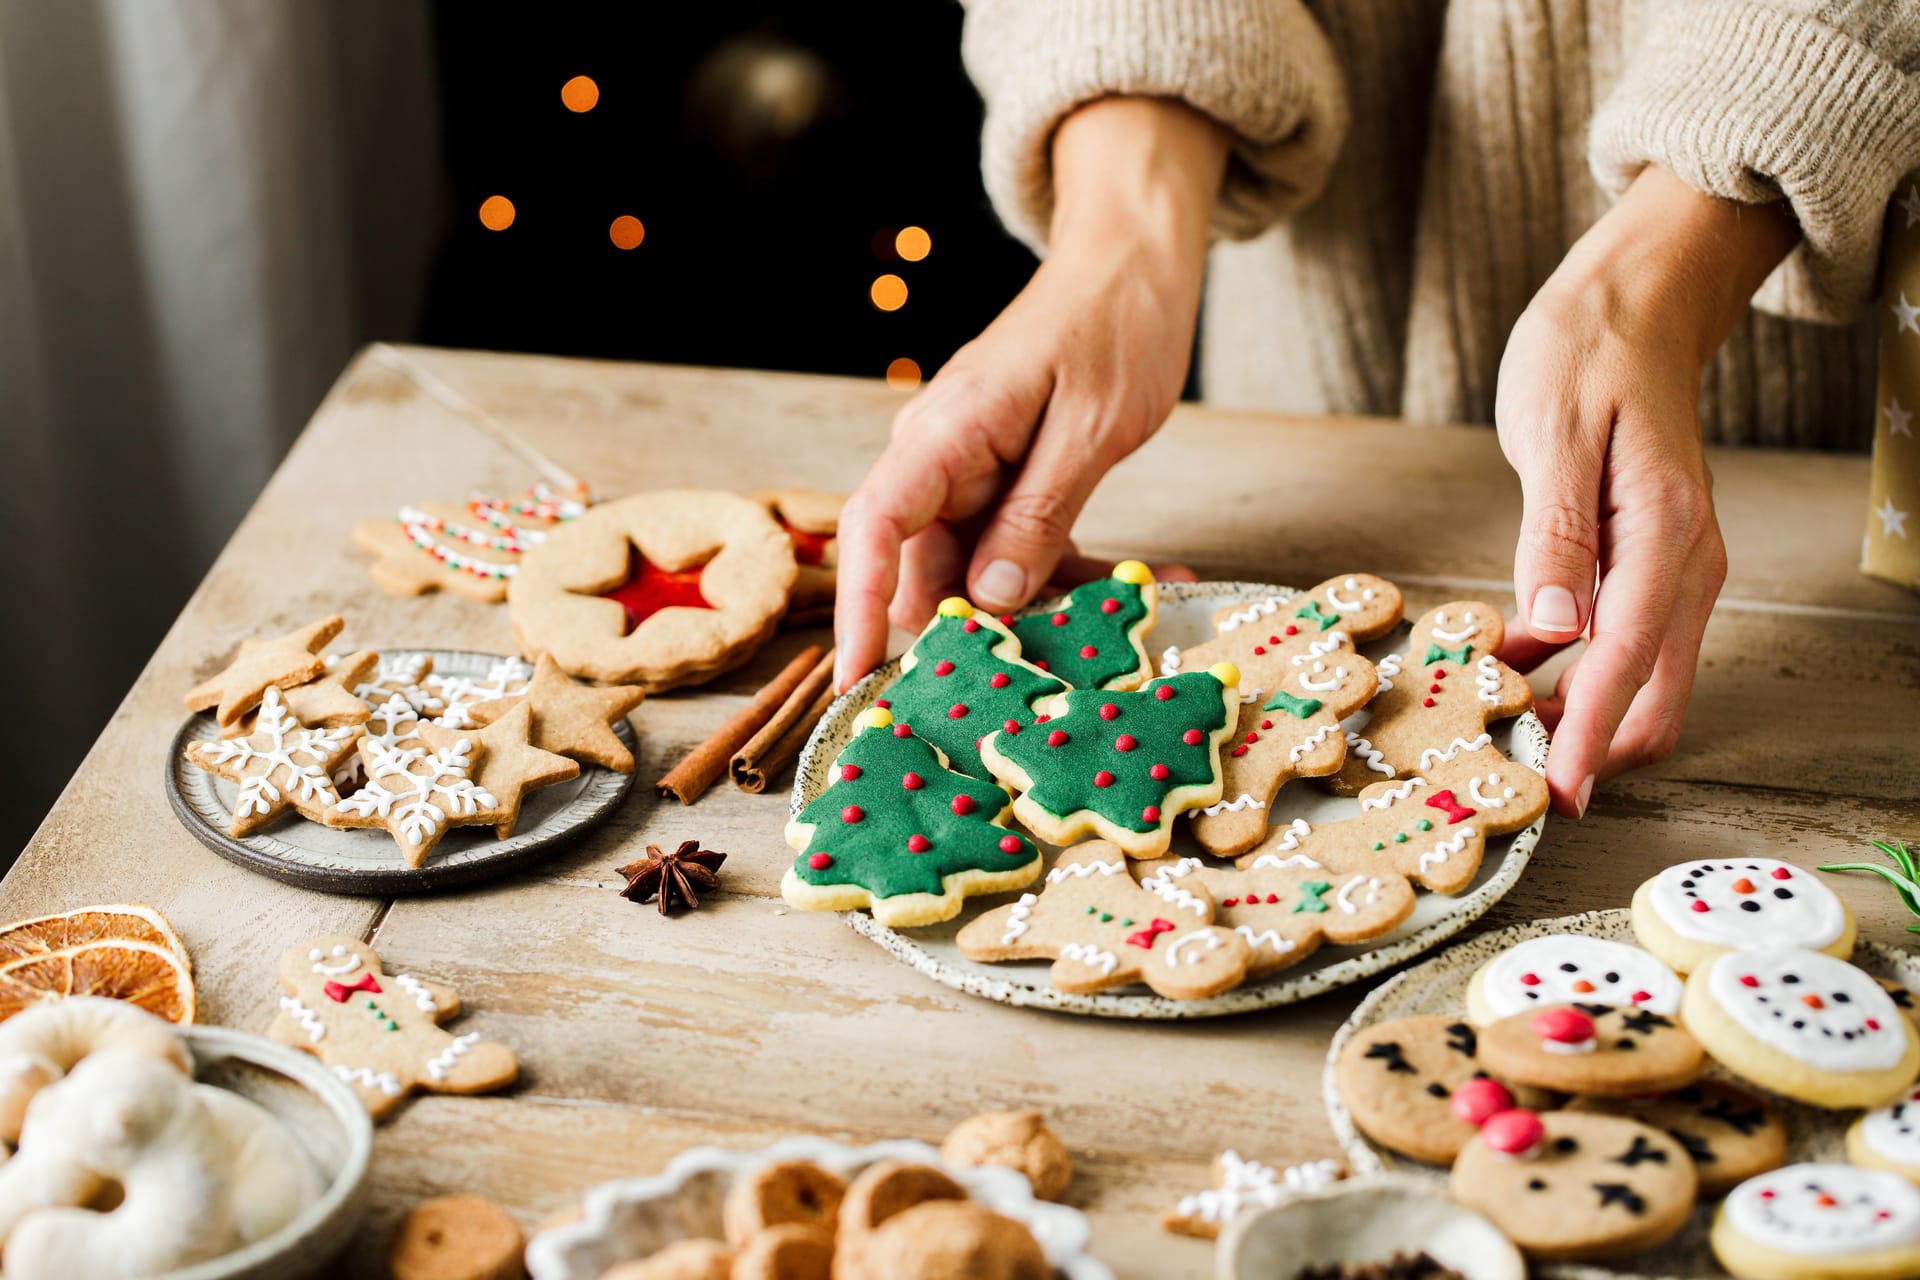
(649, 589)
(808, 548)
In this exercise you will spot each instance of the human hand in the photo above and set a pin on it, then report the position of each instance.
(1596, 411)
(992, 461)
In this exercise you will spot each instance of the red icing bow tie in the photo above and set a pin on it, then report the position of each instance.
(1145, 937)
(1454, 810)
(338, 992)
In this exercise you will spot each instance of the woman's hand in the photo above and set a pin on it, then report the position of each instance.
(992, 461)
(1597, 412)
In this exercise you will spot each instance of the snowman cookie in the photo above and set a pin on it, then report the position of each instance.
(1565, 968)
(1694, 911)
(380, 1032)
(1611, 1050)
(1888, 1137)
(1398, 1079)
(1730, 1133)
(1803, 1024)
(1830, 1221)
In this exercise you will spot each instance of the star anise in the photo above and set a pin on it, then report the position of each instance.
(676, 877)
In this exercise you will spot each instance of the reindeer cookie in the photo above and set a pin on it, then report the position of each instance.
(1285, 906)
(380, 1032)
(1103, 929)
(1442, 692)
(1729, 1133)
(1398, 1080)
(1432, 828)
(1599, 1049)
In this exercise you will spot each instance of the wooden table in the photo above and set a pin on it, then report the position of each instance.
(746, 1021)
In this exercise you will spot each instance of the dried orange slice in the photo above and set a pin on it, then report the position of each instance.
(142, 974)
(117, 923)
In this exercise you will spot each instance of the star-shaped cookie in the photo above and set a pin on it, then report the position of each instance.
(416, 793)
(510, 765)
(328, 701)
(281, 763)
(281, 663)
(572, 719)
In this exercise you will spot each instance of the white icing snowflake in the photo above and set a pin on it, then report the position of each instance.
(394, 723)
(401, 674)
(413, 790)
(257, 767)
(506, 678)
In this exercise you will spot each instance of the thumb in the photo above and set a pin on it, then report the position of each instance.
(1559, 547)
(1030, 528)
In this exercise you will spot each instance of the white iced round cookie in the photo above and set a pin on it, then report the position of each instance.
(1828, 1220)
(1889, 1137)
(1569, 968)
(1694, 911)
(1803, 1024)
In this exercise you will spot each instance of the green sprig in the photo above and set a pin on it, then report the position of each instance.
(1904, 875)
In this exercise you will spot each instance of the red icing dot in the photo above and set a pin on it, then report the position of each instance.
(1640, 997)
(956, 711)
(1273, 897)
(1088, 651)
(1873, 1024)
(852, 813)
(1163, 692)
(1011, 726)
(1563, 1026)
(1009, 844)
(1259, 648)
(1158, 772)
(1292, 630)
(1150, 814)
(1767, 1194)
(918, 844)
(943, 668)
(1266, 724)
(962, 805)
(1059, 619)
(970, 626)
(1041, 719)
(1426, 702)
(1698, 905)
(913, 781)
(1273, 639)
(1103, 779)
(999, 680)
(1529, 979)
(1513, 1131)
(1252, 736)
(848, 772)
(883, 704)
(1748, 980)
(1433, 688)
(901, 731)
(1229, 902)
(1439, 673)
(1109, 605)
(1006, 619)
(1042, 664)
(1781, 873)
(1193, 737)
(1124, 742)
(1238, 751)
(1058, 738)
(1476, 1099)
(820, 861)
(1108, 711)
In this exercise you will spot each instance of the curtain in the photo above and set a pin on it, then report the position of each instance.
(205, 206)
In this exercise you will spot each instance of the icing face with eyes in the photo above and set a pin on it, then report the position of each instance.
(1743, 902)
(1811, 1007)
(1893, 1131)
(1822, 1210)
(1454, 628)
(1570, 969)
(1349, 595)
(333, 961)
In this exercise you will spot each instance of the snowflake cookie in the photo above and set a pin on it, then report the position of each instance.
(1240, 1184)
(281, 763)
(417, 794)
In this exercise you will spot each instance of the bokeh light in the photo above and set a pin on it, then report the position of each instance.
(913, 244)
(889, 292)
(496, 213)
(626, 232)
(580, 94)
(903, 374)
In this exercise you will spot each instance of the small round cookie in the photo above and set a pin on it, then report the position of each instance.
(1017, 1140)
(456, 1238)
(1803, 1024)
(681, 1260)
(1889, 1137)
(1593, 1048)
(1731, 1134)
(790, 1251)
(1398, 1079)
(782, 1192)
(1694, 911)
(1820, 1222)
(658, 589)
(1571, 1187)
(1564, 968)
(884, 1189)
(951, 1240)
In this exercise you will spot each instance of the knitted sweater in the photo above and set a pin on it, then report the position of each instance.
(1406, 173)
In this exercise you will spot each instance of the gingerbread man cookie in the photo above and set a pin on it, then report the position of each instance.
(380, 1032)
(1398, 1079)
(1442, 692)
(1729, 1133)
(1820, 1222)
(1263, 637)
(1285, 906)
(1102, 929)
(1432, 828)
(1093, 639)
(1605, 1050)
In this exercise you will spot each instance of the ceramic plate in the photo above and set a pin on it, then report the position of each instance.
(1186, 612)
(640, 1216)
(368, 861)
(1439, 986)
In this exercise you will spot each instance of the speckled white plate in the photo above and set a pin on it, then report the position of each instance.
(1439, 986)
(640, 1216)
(1186, 613)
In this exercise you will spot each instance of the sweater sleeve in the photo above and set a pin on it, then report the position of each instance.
(1263, 68)
(1813, 101)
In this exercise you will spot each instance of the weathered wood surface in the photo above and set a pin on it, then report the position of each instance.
(641, 1037)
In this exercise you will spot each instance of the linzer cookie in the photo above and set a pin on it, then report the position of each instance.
(279, 663)
(1093, 639)
(1803, 1024)
(1285, 906)
(282, 764)
(812, 521)
(1607, 1050)
(1565, 968)
(1820, 1222)
(1695, 911)
(1103, 929)
(1121, 766)
(1431, 828)
(1442, 692)
(963, 678)
(656, 590)
(470, 548)
(1729, 1133)
(898, 832)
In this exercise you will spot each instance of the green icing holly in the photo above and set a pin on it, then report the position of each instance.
(1313, 899)
(1121, 754)
(893, 821)
(1299, 707)
(1312, 612)
(1088, 641)
(954, 690)
(1436, 654)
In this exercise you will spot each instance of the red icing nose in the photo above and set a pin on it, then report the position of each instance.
(1563, 1026)
(1479, 1098)
(1513, 1132)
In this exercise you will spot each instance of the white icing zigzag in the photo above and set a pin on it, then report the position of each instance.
(1296, 831)
(1279, 863)
(1487, 679)
(1170, 662)
(1301, 748)
(1085, 869)
(1247, 1183)
(1375, 760)
(1239, 803)
(1091, 956)
(1174, 895)
(1017, 919)
(1440, 755)
(422, 999)
(443, 1062)
(1253, 613)
(1392, 795)
(1265, 938)
(309, 1020)
(384, 1081)
(1446, 848)
(1388, 668)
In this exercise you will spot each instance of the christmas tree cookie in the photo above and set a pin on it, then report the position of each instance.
(1094, 639)
(900, 833)
(962, 679)
(1121, 766)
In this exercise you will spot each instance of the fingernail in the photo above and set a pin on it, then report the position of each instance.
(1554, 610)
(1581, 796)
(840, 672)
(1001, 584)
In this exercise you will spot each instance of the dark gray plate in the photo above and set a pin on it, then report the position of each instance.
(368, 862)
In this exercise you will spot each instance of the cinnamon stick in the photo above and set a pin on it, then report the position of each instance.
(780, 739)
(689, 779)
